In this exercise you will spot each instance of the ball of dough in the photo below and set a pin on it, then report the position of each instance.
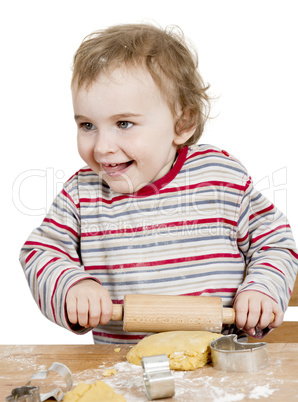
(186, 350)
(97, 392)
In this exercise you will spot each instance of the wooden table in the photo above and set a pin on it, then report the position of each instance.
(278, 382)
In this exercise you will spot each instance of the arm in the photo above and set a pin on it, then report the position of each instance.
(266, 241)
(52, 265)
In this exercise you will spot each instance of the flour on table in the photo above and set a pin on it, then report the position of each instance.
(204, 384)
(19, 355)
(219, 389)
(261, 392)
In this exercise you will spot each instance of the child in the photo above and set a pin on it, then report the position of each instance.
(153, 212)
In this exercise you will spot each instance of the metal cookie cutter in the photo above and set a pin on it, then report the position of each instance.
(24, 394)
(31, 394)
(158, 379)
(230, 355)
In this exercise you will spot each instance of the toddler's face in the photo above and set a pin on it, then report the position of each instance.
(125, 129)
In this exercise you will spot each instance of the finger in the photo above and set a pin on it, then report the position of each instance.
(251, 331)
(254, 312)
(266, 315)
(83, 313)
(71, 309)
(94, 313)
(241, 314)
(278, 317)
(106, 309)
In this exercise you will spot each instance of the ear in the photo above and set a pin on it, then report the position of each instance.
(185, 128)
(181, 138)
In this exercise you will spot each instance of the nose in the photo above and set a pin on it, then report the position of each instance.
(105, 144)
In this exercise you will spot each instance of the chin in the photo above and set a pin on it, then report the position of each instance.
(121, 187)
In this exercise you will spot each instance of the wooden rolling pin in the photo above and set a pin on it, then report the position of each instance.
(155, 313)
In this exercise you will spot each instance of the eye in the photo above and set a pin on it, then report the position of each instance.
(124, 125)
(88, 126)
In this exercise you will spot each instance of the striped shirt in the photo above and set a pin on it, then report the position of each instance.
(202, 229)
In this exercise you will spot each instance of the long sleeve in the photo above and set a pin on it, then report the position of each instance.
(266, 241)
(50, 257)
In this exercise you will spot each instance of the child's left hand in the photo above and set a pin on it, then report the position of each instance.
(254, 311)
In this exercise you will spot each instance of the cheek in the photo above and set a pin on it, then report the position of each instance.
(85, 149)
(134, 149)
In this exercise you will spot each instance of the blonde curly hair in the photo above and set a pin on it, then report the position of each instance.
(172, 63)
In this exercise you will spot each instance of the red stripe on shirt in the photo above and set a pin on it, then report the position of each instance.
(207, 151)
(118, 336)
(168, 190)
(47, 246)
(164, 262)
(293, 253)
(53, 294)
(243, 238)
(30, 255)
(268, 233)
(59, 225)
(39, 272)
(160, 226)
(210, 291)
(263, 211)
(271, 266)
(69, 197)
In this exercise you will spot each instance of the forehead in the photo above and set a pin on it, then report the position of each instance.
(133, 77)
(131, 87)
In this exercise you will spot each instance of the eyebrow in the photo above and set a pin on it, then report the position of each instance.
(80, 117)
(116, 116)
(124, 115)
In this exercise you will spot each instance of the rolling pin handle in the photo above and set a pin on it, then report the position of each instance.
(117, 312)
(228, 315)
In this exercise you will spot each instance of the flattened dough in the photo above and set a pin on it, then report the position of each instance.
(97, 392)
(186, 350)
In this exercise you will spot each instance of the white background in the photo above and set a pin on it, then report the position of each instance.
(248, 54)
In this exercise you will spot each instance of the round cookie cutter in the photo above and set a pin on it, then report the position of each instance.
(158, 379)
(230, 355)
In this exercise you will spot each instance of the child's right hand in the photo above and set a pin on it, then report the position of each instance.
(88, 304)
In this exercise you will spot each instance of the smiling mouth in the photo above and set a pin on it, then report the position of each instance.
(116, 169)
